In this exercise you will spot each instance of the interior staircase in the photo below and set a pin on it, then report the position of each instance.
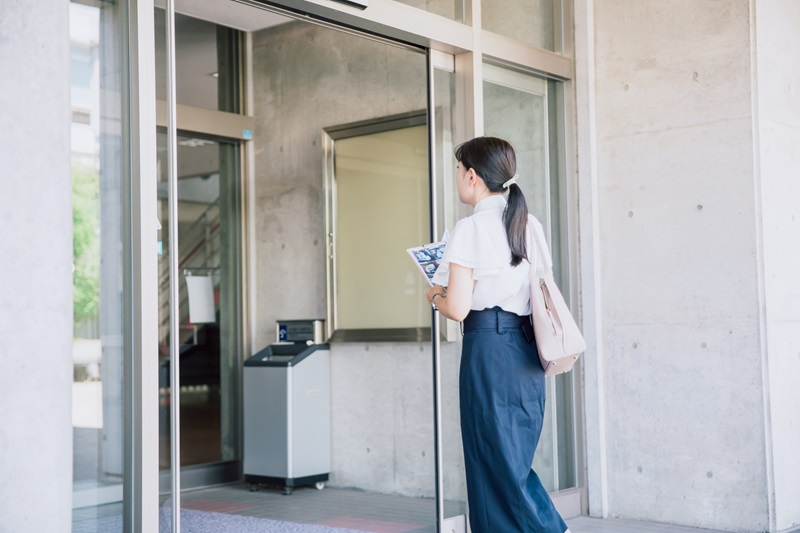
(199, 255)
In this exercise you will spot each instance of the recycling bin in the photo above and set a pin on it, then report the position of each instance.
(287, 414)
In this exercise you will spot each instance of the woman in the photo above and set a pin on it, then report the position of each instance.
(483, 280)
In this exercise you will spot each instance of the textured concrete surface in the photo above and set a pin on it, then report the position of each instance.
(36, 272)
(679, 261)
(307, 78)
(383, 421)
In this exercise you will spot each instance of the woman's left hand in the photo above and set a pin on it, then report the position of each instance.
(436, 289)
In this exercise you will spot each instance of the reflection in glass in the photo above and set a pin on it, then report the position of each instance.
(524, 109)
(444, 114)
(534, 22)
(448, 212)
(209, 216)
(452, 9)
(208, 325)
(99, 277)
(206, 56)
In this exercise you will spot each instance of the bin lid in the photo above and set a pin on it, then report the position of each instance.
(284, 354)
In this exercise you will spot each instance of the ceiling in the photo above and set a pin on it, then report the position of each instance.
(228, 13)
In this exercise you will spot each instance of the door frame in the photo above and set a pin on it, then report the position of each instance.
(465, 43)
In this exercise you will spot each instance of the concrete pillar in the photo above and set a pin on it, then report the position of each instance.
(694, 197)
(36, 268)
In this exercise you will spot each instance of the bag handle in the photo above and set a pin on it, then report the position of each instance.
(547, 261)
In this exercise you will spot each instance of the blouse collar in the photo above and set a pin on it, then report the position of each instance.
(495, 201)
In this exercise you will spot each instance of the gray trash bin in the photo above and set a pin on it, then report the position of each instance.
(287, 415)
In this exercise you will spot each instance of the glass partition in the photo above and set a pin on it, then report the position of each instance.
(533, 22)
(101, 278)
(444, 101)
(208, 214)
(452, 9)
(524, 109)
(207, 63)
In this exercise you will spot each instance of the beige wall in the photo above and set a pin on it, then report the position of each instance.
(382, 205)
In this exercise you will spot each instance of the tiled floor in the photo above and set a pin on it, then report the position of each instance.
(376, 513)
(350, 509)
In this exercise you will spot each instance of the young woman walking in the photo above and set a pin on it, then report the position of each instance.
(483, 280)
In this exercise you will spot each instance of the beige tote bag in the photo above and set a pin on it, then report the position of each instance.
(558, 338)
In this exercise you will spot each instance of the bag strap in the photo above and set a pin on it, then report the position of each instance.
(538, 237)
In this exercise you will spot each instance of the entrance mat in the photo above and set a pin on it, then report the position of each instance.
(208, 522)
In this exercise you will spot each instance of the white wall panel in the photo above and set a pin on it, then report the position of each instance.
(778, 186)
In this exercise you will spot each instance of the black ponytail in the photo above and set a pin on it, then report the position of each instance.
(495, 162)
(515, 219)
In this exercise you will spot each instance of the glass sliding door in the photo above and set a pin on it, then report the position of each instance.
(447, 211)
(99, 337)
(112, 126)
(208, 237)
(198, 414)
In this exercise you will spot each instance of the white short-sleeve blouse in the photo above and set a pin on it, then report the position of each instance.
(479, 242)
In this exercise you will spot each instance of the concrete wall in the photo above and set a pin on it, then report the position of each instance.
(306, 78)
(382, 432)
(36, 271)
(678, 254)
(777, 107)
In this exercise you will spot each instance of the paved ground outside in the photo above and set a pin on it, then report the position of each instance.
(585, 524)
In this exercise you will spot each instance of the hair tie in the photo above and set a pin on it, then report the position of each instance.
(511, 182)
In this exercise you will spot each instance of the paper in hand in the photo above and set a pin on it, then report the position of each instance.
(427, 258)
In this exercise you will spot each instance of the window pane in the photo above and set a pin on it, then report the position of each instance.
(524, 110)
(208, 211)
(515, 109)
(207, 72)
(98, 185)
(444, 114)
(452, 9)
(534, 22)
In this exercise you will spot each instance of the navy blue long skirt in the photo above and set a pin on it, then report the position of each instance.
(502, 395)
